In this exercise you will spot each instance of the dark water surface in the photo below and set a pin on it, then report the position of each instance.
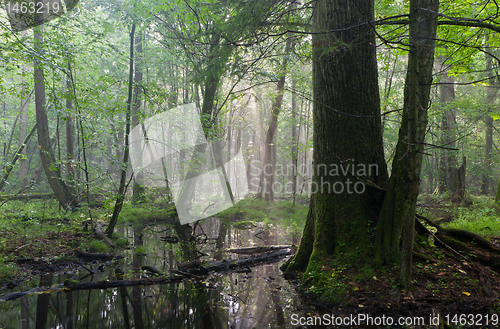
(257, 298)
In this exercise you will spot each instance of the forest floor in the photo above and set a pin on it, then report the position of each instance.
(452, 283)
(445, 281)
(462, 293)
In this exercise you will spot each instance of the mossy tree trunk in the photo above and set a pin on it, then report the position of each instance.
(396, 225)
(347, 135)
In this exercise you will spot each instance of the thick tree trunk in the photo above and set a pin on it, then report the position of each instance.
(63, 194)
(348, 157)
(396, 226)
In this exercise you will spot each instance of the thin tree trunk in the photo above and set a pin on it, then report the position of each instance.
(269, 164)
(121, 188)
(18, 154)
(295, 141)
(70, 127)
(137, 189)
(448, 157)
(491, 93)
(23, 126)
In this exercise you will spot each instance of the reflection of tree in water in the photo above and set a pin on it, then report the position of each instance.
(235, 300)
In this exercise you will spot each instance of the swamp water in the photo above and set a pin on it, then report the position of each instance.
(256, 297)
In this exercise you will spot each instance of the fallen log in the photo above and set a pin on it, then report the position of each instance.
(123, 283)
(256, 250)
(221, 266)
(152, 270)
(198, 268)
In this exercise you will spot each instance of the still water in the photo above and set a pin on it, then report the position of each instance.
(256, 297)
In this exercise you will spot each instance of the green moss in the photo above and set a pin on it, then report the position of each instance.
(98, 246)
(132, 215)
(254, 210)
(325, 280)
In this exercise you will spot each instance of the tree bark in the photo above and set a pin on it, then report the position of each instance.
(121, 188)
(448, 160)
(396, 225)
(63, 194)
(347, 134)
(23, 126)
(491, 93)
(269, 164)
(137, 189)
(70, 127)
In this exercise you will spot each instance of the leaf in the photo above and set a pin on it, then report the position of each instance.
(495, 116)
(466, 293)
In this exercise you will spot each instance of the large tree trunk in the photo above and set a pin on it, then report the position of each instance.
(396, 226)
(347, 135)
(63, 194)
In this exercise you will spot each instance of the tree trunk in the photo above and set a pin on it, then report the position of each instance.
(23, 126)
(219, 55)
(491, 93)
(269, 164)
(63, 194)
(137, 189)
(295, 142)
(348, 158)
(121, 188)
(448, 161)
(70, 127)
(396, 225)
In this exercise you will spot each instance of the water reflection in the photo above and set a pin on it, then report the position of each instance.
(258, 298)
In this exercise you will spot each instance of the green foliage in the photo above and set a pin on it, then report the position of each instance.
(481, 218)
(251, 210)
(7, 270)
(98, 246)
